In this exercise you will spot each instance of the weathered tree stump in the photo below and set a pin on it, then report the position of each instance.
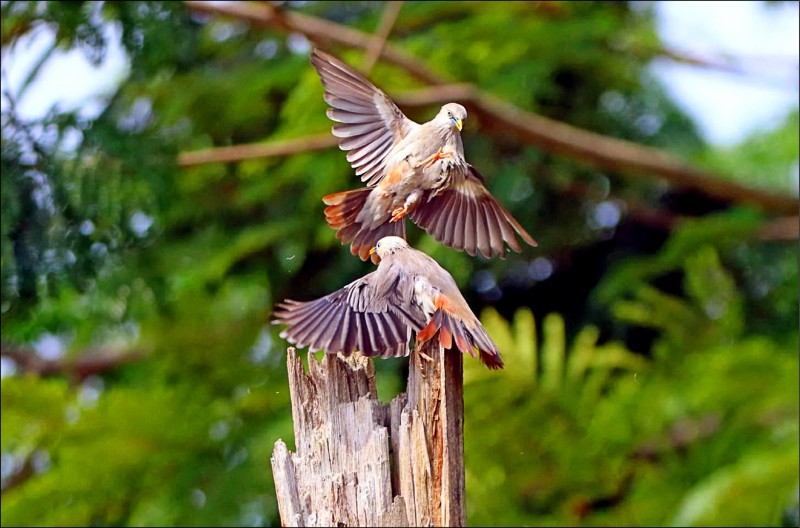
(363, 463)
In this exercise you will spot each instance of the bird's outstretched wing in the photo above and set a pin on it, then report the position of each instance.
(373, 315)
(370, 121)
(467, 217)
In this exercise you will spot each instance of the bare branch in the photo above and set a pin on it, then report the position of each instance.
(88, 364)
(389, 17)
(283, 147)
(619, 155)
(737, 66)
(20, 477)
(504, 118)
(784, 229)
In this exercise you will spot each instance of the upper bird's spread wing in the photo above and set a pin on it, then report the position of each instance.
(370, 122)
(467, 217)
(372, 314)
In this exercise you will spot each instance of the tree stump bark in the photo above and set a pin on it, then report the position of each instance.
(359, 462)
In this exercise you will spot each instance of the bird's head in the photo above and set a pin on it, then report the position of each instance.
(453, 114)
(389, 245)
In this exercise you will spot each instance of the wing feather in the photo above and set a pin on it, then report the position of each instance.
(373, 314)
(493, 230)
(370, 122)
(487, 225)
(470, 234)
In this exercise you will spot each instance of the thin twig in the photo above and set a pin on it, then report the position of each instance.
(388, 19)
(734, 67)
(317, 30)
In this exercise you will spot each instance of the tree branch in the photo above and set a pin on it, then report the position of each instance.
(20, 477)
(783, 229)
(616, 154)
(284, 147)
(88, 364)
(553, 136)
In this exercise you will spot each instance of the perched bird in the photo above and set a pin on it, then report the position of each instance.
(410, 169)
(376, 314)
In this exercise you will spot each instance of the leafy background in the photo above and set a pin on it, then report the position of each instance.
(650, 340)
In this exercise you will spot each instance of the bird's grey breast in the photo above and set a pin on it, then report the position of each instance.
(421, 142)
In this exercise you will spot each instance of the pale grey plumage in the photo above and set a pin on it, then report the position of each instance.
(410, 169)
(376, 314)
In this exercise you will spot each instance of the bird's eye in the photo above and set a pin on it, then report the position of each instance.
(450, 114)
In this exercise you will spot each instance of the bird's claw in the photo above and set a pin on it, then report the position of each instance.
(399, 213)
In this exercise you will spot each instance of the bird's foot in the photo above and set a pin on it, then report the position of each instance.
(428, 163)
(399, 213)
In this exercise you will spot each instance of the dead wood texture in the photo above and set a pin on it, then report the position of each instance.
(359, 462)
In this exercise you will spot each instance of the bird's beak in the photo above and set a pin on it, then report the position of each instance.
(372, 251)
(459, 123)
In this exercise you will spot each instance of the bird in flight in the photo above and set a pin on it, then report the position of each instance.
(376, 314)
(410, 169)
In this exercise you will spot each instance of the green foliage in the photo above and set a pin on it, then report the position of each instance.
(768, 158)
(107, 244)
(561, 369)
(615, 440)
(712, 312)
(112, 455)
(713, 301)
(725, 230)
(717, 499)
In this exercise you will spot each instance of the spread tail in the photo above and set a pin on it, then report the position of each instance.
(452, 330)
(342, 213)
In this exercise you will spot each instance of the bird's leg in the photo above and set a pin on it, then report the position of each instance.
(429, 161)
(409, 205)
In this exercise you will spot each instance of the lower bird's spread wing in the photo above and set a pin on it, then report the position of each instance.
(467, 217)
(370, 121)
(373, 315)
